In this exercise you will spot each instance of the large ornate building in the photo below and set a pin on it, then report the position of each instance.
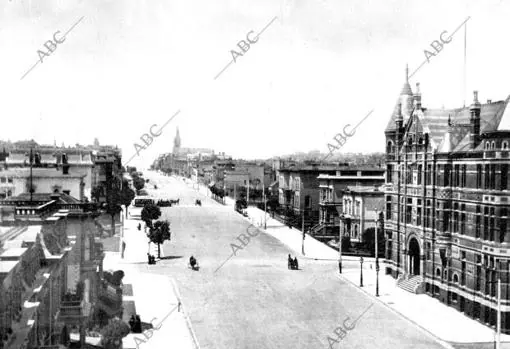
(447, 203)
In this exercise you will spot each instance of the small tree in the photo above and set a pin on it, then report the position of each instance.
(346, 243)
(369, 241)
(159, 234)
(96, 192)
(138, 183)
(113, 333)
(113, 205)
(127, 196)
(150, 212)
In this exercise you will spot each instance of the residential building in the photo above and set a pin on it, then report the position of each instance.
(16, 181)
(447, 203)
(332, 188)
(360, 211)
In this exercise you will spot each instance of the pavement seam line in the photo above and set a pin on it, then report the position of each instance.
(186, 317)
(440, 341)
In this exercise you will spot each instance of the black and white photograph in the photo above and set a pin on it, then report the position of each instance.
(254, 174)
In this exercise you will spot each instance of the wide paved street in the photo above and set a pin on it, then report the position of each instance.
(253, 300)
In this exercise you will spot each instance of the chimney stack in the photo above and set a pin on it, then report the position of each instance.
(474, 120)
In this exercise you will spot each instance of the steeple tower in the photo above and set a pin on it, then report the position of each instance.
(406, 97)
(177, 142)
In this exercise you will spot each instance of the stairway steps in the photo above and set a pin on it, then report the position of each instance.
(410, 284)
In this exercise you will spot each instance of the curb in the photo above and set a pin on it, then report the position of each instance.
(443, 343)
(186, 317)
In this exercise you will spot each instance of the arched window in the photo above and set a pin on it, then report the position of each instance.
(455, 278)
(493, 145)
(504, 145)
(487, 145)
(446, 274)
(389, 147)
(438, 272)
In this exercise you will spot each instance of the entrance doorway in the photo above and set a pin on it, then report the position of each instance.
(414, 257)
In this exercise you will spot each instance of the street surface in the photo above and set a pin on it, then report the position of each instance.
(253, 300)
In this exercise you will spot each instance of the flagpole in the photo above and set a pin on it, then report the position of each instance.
(465, 61)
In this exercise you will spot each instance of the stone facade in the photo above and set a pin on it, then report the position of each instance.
(447, 202)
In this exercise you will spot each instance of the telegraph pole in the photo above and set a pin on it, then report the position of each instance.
(340, 245)
(303, 228)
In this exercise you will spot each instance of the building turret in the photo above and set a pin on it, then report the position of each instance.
(417, 97)
(474, 120)
(406, 97)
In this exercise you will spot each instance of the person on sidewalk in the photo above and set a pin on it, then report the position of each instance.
(132, 323)
(139, 227)
(290, 262)
(296, 265)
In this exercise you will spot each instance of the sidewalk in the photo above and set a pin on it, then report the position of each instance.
(156, 297)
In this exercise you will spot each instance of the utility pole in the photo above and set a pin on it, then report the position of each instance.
(498, 325)
(265, 206)
(378, 220)
(248, 193)
(340, 244)
(303, 228)
(31, 180)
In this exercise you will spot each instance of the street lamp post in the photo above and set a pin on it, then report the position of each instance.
(497, 343)
(303, 228)
(377, 254)
(361, 272)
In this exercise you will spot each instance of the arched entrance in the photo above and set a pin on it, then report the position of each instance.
(414, 257)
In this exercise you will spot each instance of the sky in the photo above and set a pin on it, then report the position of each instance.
(318, 66)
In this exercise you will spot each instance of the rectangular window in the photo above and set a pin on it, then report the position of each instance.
(2, 180)
(446, 175)
(478, 176)
(463, 219)
(503, 219)
(456, 220)
(456, 180)
(418, 213)
(487, 177)
(389, 174)
(493, 177)
(429, 175)
(463, 179)
(486, 223)
(504, 177)
(420, 167)
(492, 220)
(477, 221)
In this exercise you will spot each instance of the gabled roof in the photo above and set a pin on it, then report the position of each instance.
(453, 137)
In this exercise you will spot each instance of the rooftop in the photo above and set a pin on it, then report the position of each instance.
(7, 266)
(24, 172)
(13, 252)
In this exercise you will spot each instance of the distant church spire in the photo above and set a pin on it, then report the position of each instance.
(177, 142)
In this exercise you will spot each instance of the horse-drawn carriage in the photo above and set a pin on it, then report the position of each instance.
(293, 263)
